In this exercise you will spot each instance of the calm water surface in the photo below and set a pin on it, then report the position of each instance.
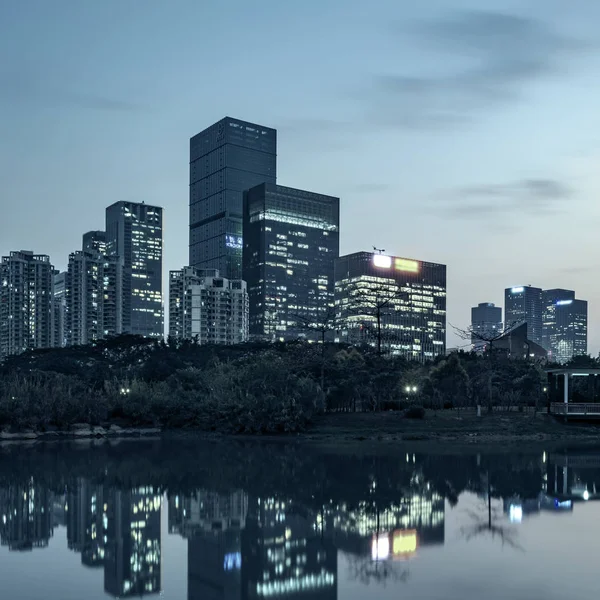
(199, 521)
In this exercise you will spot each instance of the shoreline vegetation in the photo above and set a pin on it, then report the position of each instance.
(134, 386)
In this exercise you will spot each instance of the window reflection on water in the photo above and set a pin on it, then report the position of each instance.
(276, 521)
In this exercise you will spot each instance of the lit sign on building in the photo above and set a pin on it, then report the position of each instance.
(233, 241)
(409, 266)
(517, 290)
(404, 542)
(563, 302)
(382, 261)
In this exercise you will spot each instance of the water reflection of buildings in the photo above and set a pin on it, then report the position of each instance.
(26, 516)
(395, 531)
(132, 563)
(566, 480)
(117, 530)
(284, 556)
(85, 521)
(249, 548)
(212, 524)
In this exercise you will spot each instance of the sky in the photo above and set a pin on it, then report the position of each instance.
(460, 132)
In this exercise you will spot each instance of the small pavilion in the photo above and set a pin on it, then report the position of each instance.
(560, 392)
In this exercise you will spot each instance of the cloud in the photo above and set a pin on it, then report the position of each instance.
(96, 102)
(483, 59)
(371, 188)
(18, 88)
(537, 197)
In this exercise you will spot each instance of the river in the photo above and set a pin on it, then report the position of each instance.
(184, 519)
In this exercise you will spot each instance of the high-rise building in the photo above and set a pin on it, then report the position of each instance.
(523, 304)
(93, 297)
(134, 234)
(226, 159)
(60, 308)
(207, 307)
(486, 324)
(396, 304)
(94, 241)
(564, 329)
(26, 302)
(84, 298)
(291, 240)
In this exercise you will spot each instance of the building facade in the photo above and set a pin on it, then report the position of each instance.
(134, 234)
(60, 308)
(93, 298)
(564, 329)
(523, 304)
(291, 240)
(486, 324)
(207, 307)
(26, 303)
(395, 304)
(226, 159)
(94, 241)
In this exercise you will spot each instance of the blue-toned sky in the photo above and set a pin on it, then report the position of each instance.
(463, 132)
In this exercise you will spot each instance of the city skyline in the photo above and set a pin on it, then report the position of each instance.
(502, 158)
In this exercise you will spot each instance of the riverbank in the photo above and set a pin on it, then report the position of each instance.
(449, 426)
(381, 427)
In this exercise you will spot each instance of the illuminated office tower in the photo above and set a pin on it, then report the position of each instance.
(134, 234)
(60, 308)
(291, 240)
(406, 296)
(564, 327)
(206, 307)
(523, 304)
(132, 553)
(225, 159)
(26, 302)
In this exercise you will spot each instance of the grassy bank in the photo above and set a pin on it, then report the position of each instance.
(450, 426)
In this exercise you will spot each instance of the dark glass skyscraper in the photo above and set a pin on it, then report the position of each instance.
(523, 304)
(564, 331)
(291, 240)
(226, 159)
(486, 323)
(134, 234)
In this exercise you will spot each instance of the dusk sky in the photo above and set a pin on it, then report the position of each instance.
(460, 132)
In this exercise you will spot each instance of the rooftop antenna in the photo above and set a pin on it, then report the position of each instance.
(379, 250)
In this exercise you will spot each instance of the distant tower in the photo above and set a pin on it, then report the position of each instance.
(564, 332)
(486, 323)
(523, 304)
